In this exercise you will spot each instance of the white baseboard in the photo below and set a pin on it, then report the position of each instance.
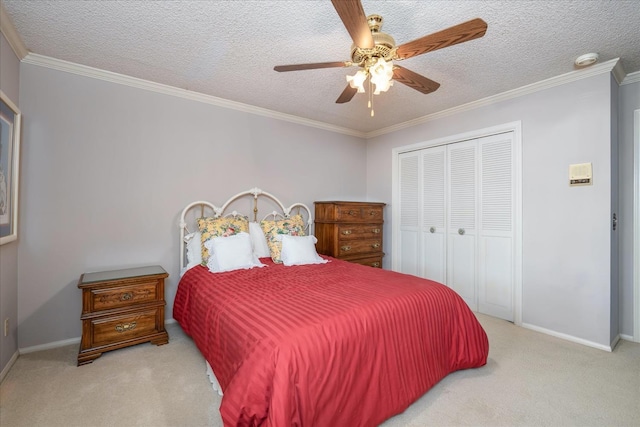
(6, 369)
(62, 343)
(626, 337)
(569, 337)
(615, 341)
(49, 346)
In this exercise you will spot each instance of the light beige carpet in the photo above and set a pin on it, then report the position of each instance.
(531, 379)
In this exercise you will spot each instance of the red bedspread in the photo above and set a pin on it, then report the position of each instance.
(334, 344)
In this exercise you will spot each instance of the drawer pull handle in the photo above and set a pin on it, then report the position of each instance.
(126, 296)
(373, 213)
(376, 230)
(375, 245)
(124, 327)
(346, 232)
(353, 213)
(375, 264)
(346, 248)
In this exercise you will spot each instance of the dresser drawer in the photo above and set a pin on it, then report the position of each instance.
(114, 329)
(123, 296)
(358, 231)
(348, 247)
(357, 213)
(374, 261)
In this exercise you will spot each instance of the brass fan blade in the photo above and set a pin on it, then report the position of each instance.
(355, 21)
(346, 95)
(311, 66)
(453, 35)
(414, 80)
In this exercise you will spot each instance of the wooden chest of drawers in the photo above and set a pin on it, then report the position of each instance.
(121, 308)
(351, 231)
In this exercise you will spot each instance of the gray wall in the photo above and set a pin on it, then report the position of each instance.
(9, 84)
(108, 168)
(629, 95)
(566, 238)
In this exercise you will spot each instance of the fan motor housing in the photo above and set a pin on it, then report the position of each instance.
(384, 44)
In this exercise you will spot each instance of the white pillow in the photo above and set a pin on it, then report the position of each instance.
(300, 250)
(194, 249)
(231, 253)
(258, 240)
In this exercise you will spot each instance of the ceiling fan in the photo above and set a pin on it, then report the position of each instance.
(374, 52)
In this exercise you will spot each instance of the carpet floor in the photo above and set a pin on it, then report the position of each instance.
(531, 379)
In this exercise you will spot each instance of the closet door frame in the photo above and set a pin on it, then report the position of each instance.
(516, 128)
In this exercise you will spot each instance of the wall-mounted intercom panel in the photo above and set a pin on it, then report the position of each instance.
(580, 174)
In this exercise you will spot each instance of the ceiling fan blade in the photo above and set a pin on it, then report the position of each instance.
(414, 80)
(346, 95)
(460, 33)
(355, 21)
(311, 66)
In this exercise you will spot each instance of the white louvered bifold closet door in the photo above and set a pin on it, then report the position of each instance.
(423, 213)
(462, 211)
(434, 231)
(496, 238)
(409, 213)
(457, 219)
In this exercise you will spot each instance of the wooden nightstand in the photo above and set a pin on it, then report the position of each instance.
(121, 308)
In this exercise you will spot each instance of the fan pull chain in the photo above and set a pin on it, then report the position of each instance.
(370, 98)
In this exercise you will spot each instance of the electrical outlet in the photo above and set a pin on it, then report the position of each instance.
(6, 326)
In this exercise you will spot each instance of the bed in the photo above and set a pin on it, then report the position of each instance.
(323, 343)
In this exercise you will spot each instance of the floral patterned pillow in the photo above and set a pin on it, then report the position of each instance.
(215, 227)
(293, 226)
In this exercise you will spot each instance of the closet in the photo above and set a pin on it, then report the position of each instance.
(456, 222)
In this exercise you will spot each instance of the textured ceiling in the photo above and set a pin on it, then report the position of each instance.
(228, 48)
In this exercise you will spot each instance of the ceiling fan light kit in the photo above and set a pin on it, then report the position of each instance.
(374, 52)
(381, 75)
(357, 80)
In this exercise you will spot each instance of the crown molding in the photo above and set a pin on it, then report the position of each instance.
(96, 73)
(618, 71)
(631, 78)
(613, 66)
(10, 33)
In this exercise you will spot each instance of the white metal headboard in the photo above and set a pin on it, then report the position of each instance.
(217, 212)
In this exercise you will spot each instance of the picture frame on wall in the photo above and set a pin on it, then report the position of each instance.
(9, 168)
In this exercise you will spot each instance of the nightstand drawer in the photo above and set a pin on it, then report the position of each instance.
(357, 232)
(346, 248)
(123, 296)
(109, 330)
